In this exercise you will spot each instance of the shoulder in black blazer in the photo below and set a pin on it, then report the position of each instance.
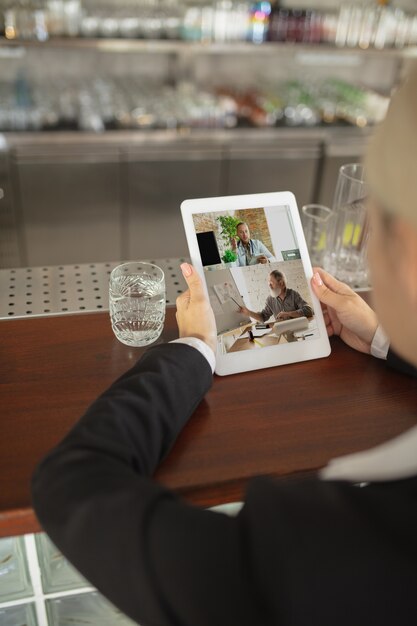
(300, 554)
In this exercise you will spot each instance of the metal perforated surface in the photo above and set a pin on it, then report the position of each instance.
(70, 288)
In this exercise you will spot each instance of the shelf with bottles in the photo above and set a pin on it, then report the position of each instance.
(132, 103)
(204, 26)
(177, 47)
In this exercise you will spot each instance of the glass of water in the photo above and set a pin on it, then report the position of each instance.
(137, 302)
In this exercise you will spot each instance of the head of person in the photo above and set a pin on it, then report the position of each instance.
(391, 171)
(243, 232)
(277, 283)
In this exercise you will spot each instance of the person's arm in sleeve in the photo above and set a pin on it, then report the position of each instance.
(158, 560)
(262, 254)
(287, 558)
(303, 308)
(264, 250)
(396, 362)
(256, 315)
(240, 255)
(127, 535)
(267, 311)
(381, 349)
(260, 316)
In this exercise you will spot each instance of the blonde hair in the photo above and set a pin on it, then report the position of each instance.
(391, 160)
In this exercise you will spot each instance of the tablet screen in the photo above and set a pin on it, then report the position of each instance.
(258, 284)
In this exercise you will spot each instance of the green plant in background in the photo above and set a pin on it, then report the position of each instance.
(228, 225)
(229, 256)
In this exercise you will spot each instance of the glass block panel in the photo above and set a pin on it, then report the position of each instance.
(87, 608)
(22, 615)
(57, 573)
(14, 575)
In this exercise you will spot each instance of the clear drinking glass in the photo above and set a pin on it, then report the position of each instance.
(14, 575)
(137, 302)
(316, 220)
(57, 573)
(346, 255)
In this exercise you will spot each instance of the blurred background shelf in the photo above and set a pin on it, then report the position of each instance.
(103, 136)
(190, 47)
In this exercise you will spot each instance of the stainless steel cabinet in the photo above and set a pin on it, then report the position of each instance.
(81, 199)
(9, 232)
(158, 180)
(339, 149)
(69, 201)
(285, 165)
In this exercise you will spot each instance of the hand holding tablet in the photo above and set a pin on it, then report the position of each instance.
(256, 287)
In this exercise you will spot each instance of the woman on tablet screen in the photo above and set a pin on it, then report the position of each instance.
(322, 551)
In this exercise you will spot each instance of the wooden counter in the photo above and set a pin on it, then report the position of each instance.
(279, 422)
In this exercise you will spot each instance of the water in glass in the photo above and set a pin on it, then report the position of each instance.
(137, 303)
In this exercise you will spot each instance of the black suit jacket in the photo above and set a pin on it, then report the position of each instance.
(307, 553)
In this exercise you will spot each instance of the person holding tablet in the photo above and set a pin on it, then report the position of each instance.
(283, 303)
(318, 551)
(249, 251)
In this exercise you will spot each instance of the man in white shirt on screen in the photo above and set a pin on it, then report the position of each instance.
(249, 251)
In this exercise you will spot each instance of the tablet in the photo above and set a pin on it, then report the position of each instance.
(251, 253)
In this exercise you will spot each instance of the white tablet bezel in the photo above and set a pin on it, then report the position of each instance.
(271, 356)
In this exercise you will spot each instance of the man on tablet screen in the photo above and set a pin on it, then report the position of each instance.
(249, 251)
(283, 303)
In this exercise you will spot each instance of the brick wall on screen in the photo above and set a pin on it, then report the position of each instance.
(204, 222)
(256, 220)
(256, 278)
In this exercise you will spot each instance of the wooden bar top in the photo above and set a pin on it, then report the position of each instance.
(278, 422)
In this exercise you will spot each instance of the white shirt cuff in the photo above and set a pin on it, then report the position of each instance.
(380, 344)
(202, 347)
